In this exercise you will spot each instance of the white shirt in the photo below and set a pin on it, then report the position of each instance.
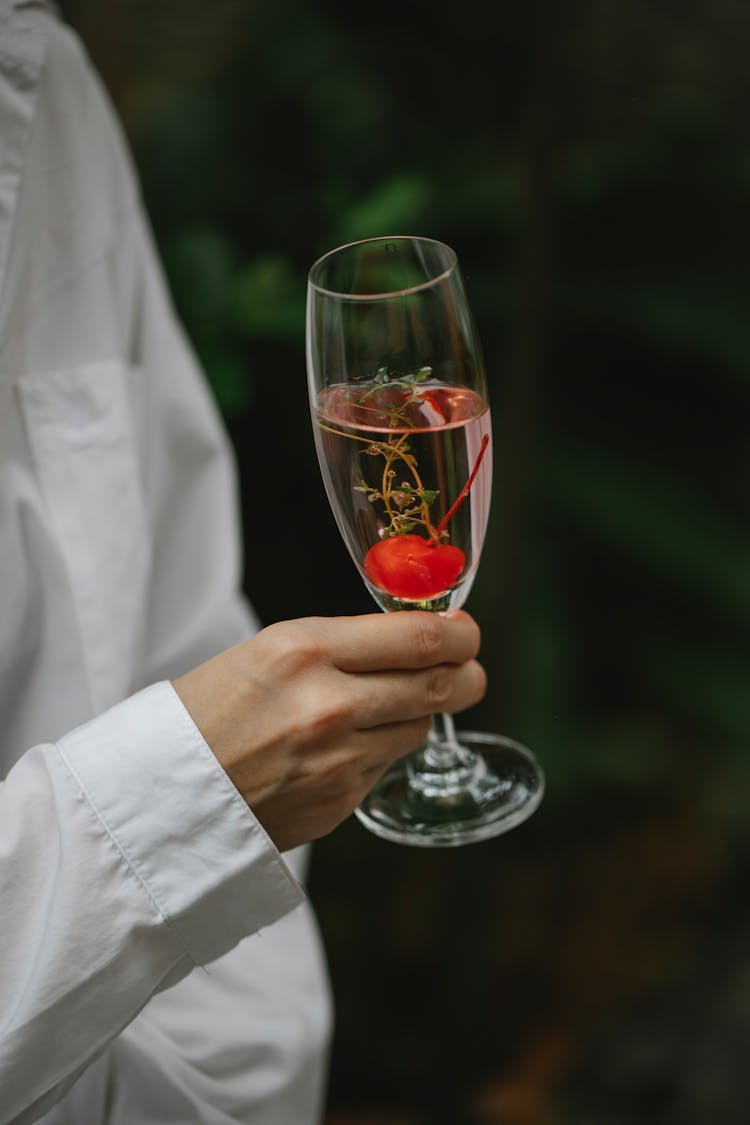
(127, 857)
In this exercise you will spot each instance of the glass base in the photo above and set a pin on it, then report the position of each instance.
(498, 786)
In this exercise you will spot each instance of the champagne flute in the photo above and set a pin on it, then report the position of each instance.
(402, 429)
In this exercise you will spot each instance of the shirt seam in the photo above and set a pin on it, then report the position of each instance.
(193, 732)
(35, 66)
(132, 866)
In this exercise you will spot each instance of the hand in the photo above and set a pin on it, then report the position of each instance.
(307, 715)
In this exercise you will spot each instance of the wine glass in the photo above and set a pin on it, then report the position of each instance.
(402, 430)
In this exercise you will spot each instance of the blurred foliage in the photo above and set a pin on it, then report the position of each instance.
(590, 162)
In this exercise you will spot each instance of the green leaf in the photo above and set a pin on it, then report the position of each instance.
(268, 299)
(394, 203)
(661, 522)
(200, 265)
(230, 380)
(676, 313)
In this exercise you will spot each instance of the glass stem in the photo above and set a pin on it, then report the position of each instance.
(443, 771)
(443, 751)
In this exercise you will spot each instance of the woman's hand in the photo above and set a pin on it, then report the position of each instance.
(307, 715)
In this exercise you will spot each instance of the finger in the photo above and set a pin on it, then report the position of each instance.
(379, 747)
(413, 639)
(392, 697)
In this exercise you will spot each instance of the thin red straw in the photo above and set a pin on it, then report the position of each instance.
(465, 490)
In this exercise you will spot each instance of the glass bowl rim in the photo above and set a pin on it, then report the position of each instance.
(315, 267)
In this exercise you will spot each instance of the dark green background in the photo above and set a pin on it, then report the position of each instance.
(590, 162)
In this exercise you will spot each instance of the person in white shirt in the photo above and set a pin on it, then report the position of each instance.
(159, 961)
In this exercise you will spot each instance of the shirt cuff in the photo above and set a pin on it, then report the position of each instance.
(200, 855)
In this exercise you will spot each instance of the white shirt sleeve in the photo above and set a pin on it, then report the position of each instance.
(128, 858)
